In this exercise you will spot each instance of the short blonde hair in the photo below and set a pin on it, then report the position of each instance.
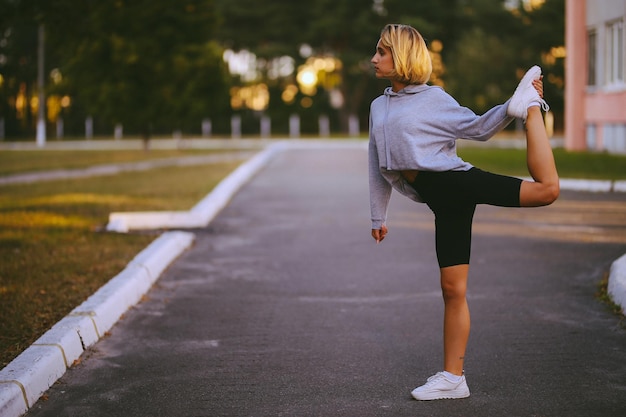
(411, 58)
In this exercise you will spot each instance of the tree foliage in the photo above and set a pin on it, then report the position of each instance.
(486, 46)
(144, 63)
(157, 65)
(498, 45)
(18, 63)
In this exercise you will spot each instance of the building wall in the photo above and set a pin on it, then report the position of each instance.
(595, 100)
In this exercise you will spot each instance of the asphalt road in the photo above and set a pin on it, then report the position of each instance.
(286, 307)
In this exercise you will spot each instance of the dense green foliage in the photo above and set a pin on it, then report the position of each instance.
(147, 65)
(158, 65)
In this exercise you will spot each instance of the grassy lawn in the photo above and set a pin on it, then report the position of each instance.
(569, 164)
(53, 253)
(15, 162)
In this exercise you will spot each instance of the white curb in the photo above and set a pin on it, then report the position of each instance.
(203, 212)
(596, 186)
(12, 399)
(617, 282)
(29, 375)
(619, 186)
(33, 371)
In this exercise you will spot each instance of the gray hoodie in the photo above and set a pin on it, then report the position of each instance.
(416, 129)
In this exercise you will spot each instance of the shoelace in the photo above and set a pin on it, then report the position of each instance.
(433, 379)
(544, 105)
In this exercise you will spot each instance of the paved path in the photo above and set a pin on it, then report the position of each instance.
(285, 307)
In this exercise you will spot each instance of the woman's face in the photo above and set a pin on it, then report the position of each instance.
(382, 61)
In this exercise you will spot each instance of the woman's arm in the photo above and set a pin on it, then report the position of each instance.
(380, 190)
(483, 127)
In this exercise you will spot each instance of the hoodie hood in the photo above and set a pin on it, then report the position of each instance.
(409, 89)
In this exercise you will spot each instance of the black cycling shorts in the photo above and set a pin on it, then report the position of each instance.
(453, 196)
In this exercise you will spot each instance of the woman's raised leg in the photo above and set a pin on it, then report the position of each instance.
(540, 160)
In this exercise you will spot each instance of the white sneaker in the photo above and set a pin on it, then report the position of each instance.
(438, 387)
(526, 96)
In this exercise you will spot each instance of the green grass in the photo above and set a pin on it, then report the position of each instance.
(569, 164)
(15, 162)
(53, 254)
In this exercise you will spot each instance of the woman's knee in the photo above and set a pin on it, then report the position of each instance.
(452, 293)
(454, 282)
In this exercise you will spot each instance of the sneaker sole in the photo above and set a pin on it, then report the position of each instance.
(532, 74)
(442, 397)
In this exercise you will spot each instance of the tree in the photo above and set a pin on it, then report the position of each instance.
(353, 44)
(483, 44)
(147, 64)
(151, 65)
(442, 20)
(344, 29)
(270, 28)
(18, 65)
(498, 44)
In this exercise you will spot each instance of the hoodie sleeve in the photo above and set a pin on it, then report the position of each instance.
(463, 123)
(380, 189)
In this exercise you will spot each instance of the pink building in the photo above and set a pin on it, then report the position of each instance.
(595, 75)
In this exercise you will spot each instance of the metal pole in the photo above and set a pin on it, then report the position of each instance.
(41, 113)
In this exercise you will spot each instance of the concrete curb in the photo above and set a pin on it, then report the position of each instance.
(602, 186)
(203, 212)
(617, 282)
(593, 186)
(29, 375)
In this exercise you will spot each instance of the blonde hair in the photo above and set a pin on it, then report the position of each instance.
(411, 58)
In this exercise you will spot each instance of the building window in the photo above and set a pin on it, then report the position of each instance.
(592, 57)
(591, 136)
(615, 52)
(615, 138)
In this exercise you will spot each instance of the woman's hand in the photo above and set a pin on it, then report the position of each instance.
(379, 234)
(538, 84)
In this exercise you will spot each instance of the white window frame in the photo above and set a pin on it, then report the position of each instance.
(614, 58)
(592, 58)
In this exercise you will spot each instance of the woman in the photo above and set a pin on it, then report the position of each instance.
(413, 132)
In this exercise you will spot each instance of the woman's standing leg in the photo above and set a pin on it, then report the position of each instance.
(453, 234)
(456, 319)
(456, 327)
(453, 237)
